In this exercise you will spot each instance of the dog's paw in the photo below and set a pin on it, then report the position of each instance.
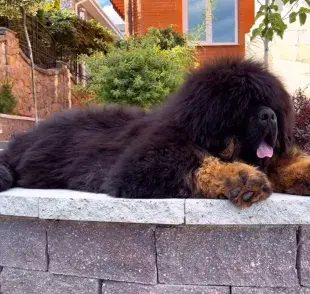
(240, 183)
(244, 185)
(295, 178)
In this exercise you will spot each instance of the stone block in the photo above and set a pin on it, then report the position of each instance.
(23, 244)
(14, 203)
(248, 290)
(130, 288)
(238, 256)
(73, 205)
(304, 256)
(17, 281)
(279, 209)
(106, 251)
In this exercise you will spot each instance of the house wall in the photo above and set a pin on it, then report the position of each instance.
(162, 13)
(246, 21)
(289, 57)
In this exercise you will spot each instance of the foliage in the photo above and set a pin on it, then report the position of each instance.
(74, 35)
(7, 99)
(140, 73)
(166, 39)
(302, 126)
(273, 23)
(14, 8)
(52, 5)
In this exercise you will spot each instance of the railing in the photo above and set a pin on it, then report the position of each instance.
(43, 44)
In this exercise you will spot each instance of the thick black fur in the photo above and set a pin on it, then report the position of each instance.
(127, 152)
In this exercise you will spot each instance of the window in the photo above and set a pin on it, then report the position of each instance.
(216, 21)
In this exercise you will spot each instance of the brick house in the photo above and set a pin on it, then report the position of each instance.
(224, 31)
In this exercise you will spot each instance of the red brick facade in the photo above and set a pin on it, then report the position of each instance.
(139, 15)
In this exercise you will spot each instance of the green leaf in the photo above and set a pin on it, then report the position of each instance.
(262, 8)
(255, 33)
(275, 7)
(292, 1)
(304, 10)
(302, 18)
(269, 34)
(259, 14)
(264, 32)
(292, 17)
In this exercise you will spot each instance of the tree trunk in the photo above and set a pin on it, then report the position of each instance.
(266, 42)
(33, 83)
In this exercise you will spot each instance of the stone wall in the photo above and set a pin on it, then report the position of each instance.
(11, 124)
(53, 85)
(72, 242)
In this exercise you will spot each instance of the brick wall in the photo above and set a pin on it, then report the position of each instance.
(162, 13)
(85, 257)
(53, 85)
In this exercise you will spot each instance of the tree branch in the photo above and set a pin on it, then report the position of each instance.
(285, 16)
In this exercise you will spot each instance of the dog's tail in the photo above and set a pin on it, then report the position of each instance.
(6, 177)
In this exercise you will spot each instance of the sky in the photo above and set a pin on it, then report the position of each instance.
(109, 10)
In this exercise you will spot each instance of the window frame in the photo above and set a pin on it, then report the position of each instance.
(208, 41)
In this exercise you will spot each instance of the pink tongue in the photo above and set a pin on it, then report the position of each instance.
(264, 150)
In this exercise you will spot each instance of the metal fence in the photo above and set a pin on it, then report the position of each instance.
(43, 44)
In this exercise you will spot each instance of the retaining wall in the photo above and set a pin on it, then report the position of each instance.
(11, 124)
(56, 241)
(53, 86)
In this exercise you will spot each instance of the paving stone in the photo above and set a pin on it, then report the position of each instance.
(106, 251)
(129, 288)
(23, 244)
(304, 256)
(17, 281)
(247, 290)
(244, 256)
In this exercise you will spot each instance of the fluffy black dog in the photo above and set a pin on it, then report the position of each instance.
(230, 116)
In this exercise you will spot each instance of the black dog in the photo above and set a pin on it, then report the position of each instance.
(230, 111)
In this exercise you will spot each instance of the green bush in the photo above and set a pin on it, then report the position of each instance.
(140, 73)
(75, 36)
(164, 38)
(7, 99)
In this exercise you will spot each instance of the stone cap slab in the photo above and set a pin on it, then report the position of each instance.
(279, 209)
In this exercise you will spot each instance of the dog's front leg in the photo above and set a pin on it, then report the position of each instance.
(238, 182)
(291, 173)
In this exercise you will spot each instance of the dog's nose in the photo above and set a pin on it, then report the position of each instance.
(267, 115)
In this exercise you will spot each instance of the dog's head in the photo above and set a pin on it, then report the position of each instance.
(235, 100)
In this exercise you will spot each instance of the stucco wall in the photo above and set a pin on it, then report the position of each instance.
(289, 57)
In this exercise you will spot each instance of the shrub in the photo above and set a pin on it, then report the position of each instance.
(302, 126)
(164, 38)
(7, 99)
(75, 36)
(138, 72)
